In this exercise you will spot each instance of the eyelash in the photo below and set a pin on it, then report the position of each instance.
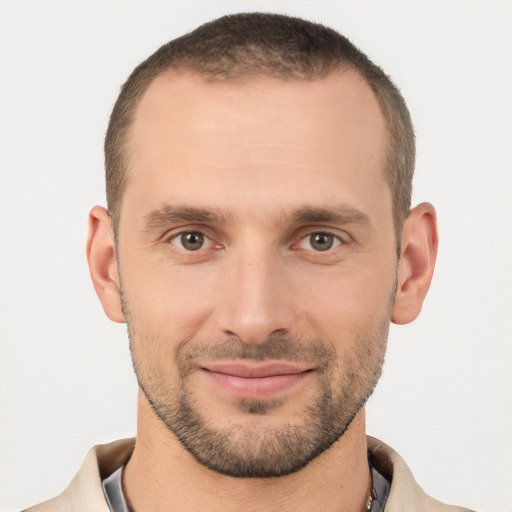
(337, 241)
(175, 236)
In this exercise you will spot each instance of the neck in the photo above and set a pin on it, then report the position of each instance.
(162, 472)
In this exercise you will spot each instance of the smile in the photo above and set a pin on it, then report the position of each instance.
(255, 381)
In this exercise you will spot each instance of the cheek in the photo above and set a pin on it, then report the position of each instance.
(347, 300)
(167, 300)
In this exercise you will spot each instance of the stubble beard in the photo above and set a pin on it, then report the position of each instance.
(251, 448)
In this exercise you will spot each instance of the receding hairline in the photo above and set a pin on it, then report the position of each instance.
(191, 74)
(247, 45)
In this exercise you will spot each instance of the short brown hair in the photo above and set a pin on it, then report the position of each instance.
(256, 44)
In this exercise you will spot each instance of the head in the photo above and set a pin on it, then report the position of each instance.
(245, 46)
(258, 178)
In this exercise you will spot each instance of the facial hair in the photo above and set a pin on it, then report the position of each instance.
(253, 449)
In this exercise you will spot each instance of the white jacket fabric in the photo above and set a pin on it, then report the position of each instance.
(85, 493)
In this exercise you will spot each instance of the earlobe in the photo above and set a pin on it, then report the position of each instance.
(101, 256)
(416, 265)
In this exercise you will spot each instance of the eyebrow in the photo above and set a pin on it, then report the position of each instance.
(170, 215)
(338, 215)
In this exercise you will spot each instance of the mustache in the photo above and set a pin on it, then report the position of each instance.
(272, 348)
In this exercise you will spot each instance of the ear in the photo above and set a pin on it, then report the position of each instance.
(101, 255)
(416, 265)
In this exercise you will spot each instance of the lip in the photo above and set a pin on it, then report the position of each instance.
(256, 381)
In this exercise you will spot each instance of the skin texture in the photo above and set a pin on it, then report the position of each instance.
(257, 176)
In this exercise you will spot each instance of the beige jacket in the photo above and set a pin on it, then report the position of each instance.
(85, 493)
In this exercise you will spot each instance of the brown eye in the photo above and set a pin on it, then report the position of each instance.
(191, 241)
(321, 241)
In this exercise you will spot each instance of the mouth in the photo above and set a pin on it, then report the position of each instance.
(256, 381)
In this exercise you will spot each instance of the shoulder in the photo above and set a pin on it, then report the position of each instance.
(85, 493)
(405, 492)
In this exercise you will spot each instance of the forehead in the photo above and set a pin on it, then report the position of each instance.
(239, 136)
(342, 99)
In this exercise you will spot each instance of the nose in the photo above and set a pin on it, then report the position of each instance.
(257, 299)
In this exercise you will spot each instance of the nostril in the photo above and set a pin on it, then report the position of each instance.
(279, 332)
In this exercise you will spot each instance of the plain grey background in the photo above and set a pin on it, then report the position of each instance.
(66, 383)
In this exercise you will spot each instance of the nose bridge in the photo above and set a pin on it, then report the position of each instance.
(257, 301)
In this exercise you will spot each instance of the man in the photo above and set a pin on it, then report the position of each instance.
(258, 242)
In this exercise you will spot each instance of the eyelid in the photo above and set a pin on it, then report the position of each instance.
(208, 242)
(170, 235)
(180, 230)
(305, 235)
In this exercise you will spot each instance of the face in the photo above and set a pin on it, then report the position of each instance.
(257, 263)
